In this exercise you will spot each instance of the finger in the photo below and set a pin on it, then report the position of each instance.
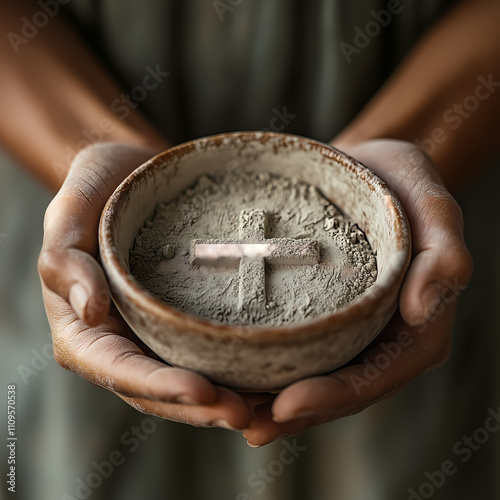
(77, 278)
(228, 411)
(254, 399)
(262, 429)
(106, 356)
(383, 369)
(441, 257)
(67, 262)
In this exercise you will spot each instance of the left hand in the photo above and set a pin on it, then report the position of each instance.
(420, 331)
(89, 335)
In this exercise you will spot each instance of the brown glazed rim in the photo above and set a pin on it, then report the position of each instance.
(365, 306)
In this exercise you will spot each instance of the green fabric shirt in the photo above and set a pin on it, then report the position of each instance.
(230, 66)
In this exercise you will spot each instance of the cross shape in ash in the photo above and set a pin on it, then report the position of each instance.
(250, 252)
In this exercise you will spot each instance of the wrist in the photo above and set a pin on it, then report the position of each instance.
(351, 136)
(137, 134)
(134, 131)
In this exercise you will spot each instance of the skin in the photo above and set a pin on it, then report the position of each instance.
(89, 336)
(439, 254)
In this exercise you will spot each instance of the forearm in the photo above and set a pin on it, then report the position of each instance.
(56, 98)
(438, 96)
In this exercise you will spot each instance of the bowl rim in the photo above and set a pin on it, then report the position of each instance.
(362, 306)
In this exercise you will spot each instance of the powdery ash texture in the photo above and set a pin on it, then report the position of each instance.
(264, 284)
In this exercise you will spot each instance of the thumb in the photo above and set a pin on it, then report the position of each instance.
(441, 266)
(441, 262)
(67, 262)
(77, 277)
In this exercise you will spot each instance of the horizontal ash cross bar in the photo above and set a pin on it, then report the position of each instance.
(250, 252)
(228, 252)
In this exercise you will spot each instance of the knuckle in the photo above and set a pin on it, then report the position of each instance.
(459, 264)
(61, 357)
(138, 405)
(47, 261)
(49, 212)
(444, 209)
(93, 158)
(87, 153)
(435, 200)
(66, 346)
(443, 217)
(464, 266)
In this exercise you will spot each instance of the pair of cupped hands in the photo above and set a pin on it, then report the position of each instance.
(91, 339)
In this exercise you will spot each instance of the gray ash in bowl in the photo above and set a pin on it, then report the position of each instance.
(244, 248)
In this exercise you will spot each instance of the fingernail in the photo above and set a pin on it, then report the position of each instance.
(280, 420)
(431, 298)
(225, 425)
(187, 400)
(78, 298)
(253, 445)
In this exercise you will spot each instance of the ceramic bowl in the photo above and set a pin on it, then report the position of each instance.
(257, 358)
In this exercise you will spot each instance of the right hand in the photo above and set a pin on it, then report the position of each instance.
(441, 267)
(90, 337)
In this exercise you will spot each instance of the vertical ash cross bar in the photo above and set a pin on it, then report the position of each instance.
(252, 294)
